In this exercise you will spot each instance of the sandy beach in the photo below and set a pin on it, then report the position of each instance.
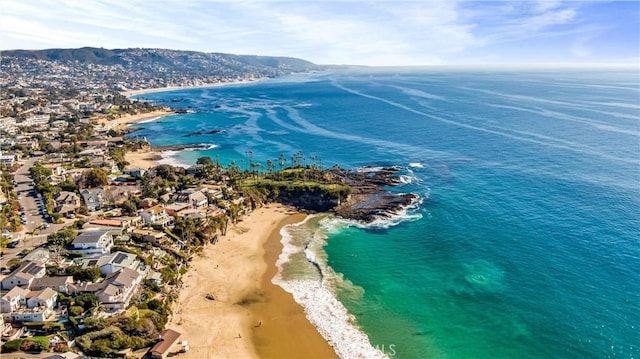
(129, 119)
(250, 317)
(172, 88)
(143, 159)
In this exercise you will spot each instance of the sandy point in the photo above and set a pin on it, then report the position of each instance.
(248, 317)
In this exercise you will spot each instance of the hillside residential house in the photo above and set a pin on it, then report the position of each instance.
(29, 306)
(195, 198)
(23, 276)
(93, 242)
(94, 198)
(147, 202)
(134, 172)
(161, 350)
(116, 290)
(156, 215)
(66, 202)
(176, 207)
(113, 262)
(123, 223)
(14, 299)
(61, 284)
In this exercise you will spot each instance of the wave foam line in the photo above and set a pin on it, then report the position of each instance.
(146, 121)
(323, 309)
(171, 158)
(402, 215)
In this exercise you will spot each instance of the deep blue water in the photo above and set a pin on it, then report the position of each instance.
(527, 241)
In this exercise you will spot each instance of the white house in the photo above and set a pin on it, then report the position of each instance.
(94, 198)
(23, 276)
(156, 215)
(113, 262)
(93, 242)
(116, 290)
(29, 306)
(14, 299)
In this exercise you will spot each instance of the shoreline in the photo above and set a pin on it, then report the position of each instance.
(129, 93)
(283, 329)
(123, 121)
(235, 271)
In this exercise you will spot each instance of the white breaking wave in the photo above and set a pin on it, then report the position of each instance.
(406, 179)
(170, 158)
(368, 169)
(202, 146)
(416, 165)
(303, 105)
(323, 310)
(402, 215)
(146, 121)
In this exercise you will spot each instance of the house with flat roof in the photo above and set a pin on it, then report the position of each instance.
(122, 223)
(93, 242)
(176, 207)
(23, 276)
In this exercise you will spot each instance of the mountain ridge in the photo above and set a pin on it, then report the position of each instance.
(142, 67)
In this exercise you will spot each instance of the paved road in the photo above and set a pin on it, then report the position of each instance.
(27, 195)
(34, 234)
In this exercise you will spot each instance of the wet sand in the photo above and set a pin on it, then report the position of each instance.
(282, 329)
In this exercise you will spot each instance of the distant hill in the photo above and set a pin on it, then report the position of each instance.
(175, 58)
(143, 68)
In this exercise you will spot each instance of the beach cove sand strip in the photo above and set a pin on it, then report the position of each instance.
(249, 317)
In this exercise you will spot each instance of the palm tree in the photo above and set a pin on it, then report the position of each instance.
(270, 166)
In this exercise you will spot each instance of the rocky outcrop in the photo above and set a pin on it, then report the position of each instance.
(179, 147)
(368, 207)
(369, 200)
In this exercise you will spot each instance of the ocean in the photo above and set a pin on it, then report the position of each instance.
(525, 241)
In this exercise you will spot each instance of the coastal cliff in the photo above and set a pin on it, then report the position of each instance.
(357, 195)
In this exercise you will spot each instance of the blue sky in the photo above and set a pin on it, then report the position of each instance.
(339, 32)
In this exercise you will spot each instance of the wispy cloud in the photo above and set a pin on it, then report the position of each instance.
(356, 32)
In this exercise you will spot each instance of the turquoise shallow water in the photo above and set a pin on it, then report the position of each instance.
(526, 242)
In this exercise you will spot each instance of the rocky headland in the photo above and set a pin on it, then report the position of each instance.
(369, 199)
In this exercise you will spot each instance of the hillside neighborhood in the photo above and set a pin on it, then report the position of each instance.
(95, 248)
(86, 237)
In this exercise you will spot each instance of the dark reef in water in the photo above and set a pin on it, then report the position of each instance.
(198, 133)
(180, 147)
